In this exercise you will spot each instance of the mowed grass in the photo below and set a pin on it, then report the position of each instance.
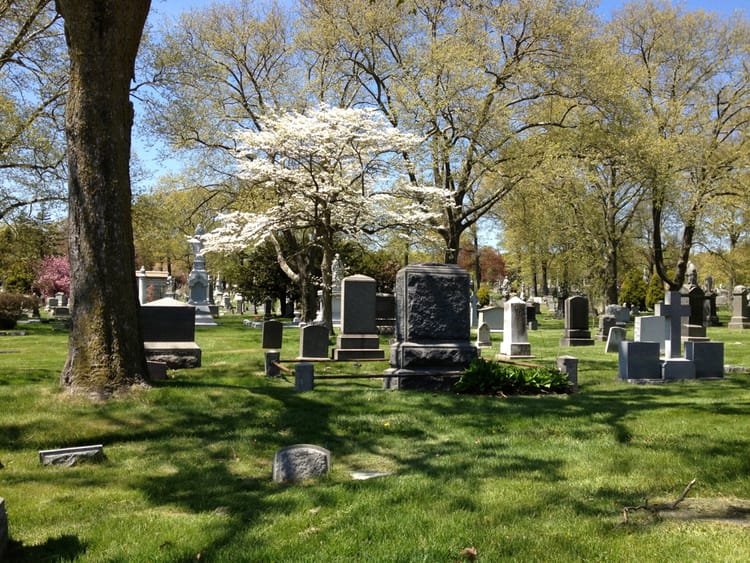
(187, 474)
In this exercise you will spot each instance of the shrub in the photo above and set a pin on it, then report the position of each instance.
(633, 289)
(11, 308)
(484, 294)
(654, 291)
(484, 377)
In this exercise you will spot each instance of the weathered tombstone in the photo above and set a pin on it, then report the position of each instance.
(271, 337)
(71, 456)
(474, 310)
(358, 339)
(313, 342)
(484, 337)
(385, 312)
(273, 357)
(620, 313)
(267, 308)
(674, 366)
(616, 335)
(740, 308)
(569, 366)
(577, 331)
(515, 342)
(432, 340)
(605, 323)
(696, 298)
(299, 462)
(651, 329)
(168, 327)
(304, 376)
(531, 311)
(157, 371)
(493, 316)
(3, 529)
(639, 361)
(708, 358)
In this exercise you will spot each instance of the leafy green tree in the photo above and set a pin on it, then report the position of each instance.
(654, 291)
(633, 289)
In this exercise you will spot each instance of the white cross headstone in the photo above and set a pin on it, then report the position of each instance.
(673, 310)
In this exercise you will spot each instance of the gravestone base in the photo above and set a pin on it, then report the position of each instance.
(177, 355)
(3, 529)
(695, 332)
(639, 362)
(708, 358)
(447, 356)
(739, 322)
(516, 350)
(358, 347)
(203, 316)
(676, 369)
(422, 379)
(577, 338)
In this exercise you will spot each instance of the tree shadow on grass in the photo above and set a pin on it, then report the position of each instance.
(63, 548)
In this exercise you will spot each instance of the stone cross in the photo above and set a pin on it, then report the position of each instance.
(673, 310)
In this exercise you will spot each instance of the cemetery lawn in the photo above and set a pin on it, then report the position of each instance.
(187, 474)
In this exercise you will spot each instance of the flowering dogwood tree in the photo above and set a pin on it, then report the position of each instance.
(326, 174)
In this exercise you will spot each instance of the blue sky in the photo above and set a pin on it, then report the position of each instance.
(174, 7)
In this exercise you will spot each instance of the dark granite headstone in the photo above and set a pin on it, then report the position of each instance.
(358, 339)
(313, 342)
(708, 358)
(272, 334)
(432, 340)
(639, 360)
(168, 329)
(577, 331)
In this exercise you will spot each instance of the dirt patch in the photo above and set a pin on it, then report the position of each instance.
(725, 510)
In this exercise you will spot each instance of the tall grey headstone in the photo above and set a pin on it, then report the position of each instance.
(198, 281)
(515, 342)
(432, 339)
(577, 331)
(358, 339)
(313, 342)
(651, 329)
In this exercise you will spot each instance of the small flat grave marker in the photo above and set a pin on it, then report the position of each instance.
(71, 456)
(299, 462)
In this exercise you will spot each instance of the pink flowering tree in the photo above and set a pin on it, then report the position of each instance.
(53, 276)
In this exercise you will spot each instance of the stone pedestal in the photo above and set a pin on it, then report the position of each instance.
(740, 309)
(433, 332)
(515, 342)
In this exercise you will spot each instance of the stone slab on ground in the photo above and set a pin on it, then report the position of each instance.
(71, 456)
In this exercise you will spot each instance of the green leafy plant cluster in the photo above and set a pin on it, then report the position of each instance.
(485, 377)
(12, 306)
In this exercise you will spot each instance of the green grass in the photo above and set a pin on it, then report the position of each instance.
(188, 468)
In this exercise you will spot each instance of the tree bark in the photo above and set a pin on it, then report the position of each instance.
(105, 349)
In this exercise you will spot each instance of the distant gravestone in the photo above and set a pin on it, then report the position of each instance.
(313, 342)
(577, 331)
(299, 462)
(493, 316)
(432, 339)
(385, 312)
(674, 366)
(708, 358)
(605, 323)
(515, 342)
(358, 339)
(696, 298)
(616, 335)
(651, 329)
(484, 336)
(569, 366)
(740, 308)
(531, 311)
(272, 334)
(620, 313)
(639, 361)
(3, 529)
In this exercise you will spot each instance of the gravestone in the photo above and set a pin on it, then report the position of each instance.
(198, 281)
(432, 340)
(271, 337)
(299, 462)
(674, 366)
(484, 337)
(385, 312)
(577, 331)
(72, 456)
(696, 298)
(474, 310)
(168, 327)
(569, 366)
(304, 377)
(531, 311)
(313, 342)
(493, 316)
(639, 361)
(515, 342)
(740, 308)
(605, 323)
(3, 529)
(651, 329)
(708, 358)
(616, 335)
(358, 339)
(620, 313)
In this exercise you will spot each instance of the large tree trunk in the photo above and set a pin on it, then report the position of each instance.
(105, 349)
